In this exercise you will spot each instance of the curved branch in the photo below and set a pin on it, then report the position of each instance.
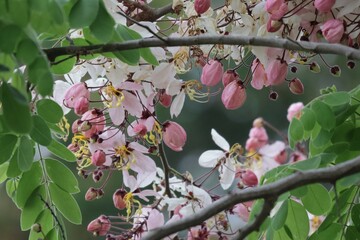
(268, 191)
(315, 47)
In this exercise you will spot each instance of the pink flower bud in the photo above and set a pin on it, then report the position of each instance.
(253, 144)
(276, 8)
(229, 76)
(212, 73)
(91, 194)
(81, 105)
(296, 86)
(259, 133)
(249, 178)
(297, 156)
(276, 71)
(333, 30)
(281, 157)
(242, 211)
(234, 95)
(95, 122)
(74, 93)
(324, 5)
(118, 199)
(165, 99)
(98, 158)
(99, 226)
(140, 129)
(259, 78)
(73, 147)
(202, 6)
(294, 110)
(174, 136)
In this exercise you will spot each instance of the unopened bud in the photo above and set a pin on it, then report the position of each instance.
(229, 76)
(36, 227)
(296, 86)
(314, 67)
(118, 199)
(201, 6)
(249, 178)
(258, 122)
(98, 158)
(91, 194)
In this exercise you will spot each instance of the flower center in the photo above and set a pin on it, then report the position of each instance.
(126, 157)
(112, 92)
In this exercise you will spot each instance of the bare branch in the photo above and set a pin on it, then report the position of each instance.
(325, 48)
(259, 219)
(268, 191)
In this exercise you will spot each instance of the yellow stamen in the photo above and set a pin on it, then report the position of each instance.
(64, 127)
(181, 59)
(193, 90)
(112, 92)
(126, 158)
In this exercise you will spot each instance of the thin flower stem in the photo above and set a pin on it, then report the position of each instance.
(166, 168)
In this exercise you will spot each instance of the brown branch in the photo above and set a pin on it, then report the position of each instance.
(325, 48)
(268, 191)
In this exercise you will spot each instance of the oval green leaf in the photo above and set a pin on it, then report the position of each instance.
(49, 110)
(103, 26)
(308, 119)
(40, 132)
(33, 207)
(61, 176)
(61, 151)
(13, 170)
(66, 204)
(296, 130)
(3, 170)
(25, 154)
(355, 215)
(8, 144)
(13, 36)
(46, 220)
(297, 221)
(317, 201)
(279, 219)
(83, 13)
(324, 115)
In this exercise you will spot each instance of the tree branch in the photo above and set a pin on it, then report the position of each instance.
(268, 191)
(325, 48)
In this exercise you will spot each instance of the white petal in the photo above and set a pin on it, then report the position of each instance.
(219, 140)
(177, 104)
(227, 175)
(272, 150)
(210, 158)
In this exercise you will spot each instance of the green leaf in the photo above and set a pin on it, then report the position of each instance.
(13, 170)
(350, 180)
(29, 181)
(308, 119)
(49, 110)
(352, 233)
(63, 64)
(66, 204)
(317, 201)
(61, 151)
(3, 169)
(37, 68)
(324, 115)
(338, 101)
(25, 154)
(83, 13)
(103, 26)
(296, 130)
(130, 57)
(355, 215)
(13, 36)
(33, 207)
(332, 232)
(45, 83)
(56, 12)
(40, 132)
(322, 138)
(297, 220)
(52, 235)
(61, 176)
(279, 219)
(148, 56)
(8, 144)
(19, 12)
(282, 235)
(46, 221)
(16, 110)
(27, 51)
(308, 164)
(299, 192)
(337, 148)
(11, 188)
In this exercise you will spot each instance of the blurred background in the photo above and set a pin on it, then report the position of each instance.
(198, 120)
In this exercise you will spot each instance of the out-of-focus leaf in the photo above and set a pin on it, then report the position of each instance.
(324, 115)
(8, 144)
(25, 153)
(49, 110)
(13, 36)
(3, 169)
(103, 26)
(83, 13)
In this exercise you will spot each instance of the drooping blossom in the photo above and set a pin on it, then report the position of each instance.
(234, 95)
(324, 5)
(296, 86)
(229, 76)
(276, 8)
(276, 71)
(99, 226)
(224, 159)
(202, 6)
(212, 73)
(294, 110)
(333, 30)
(174, 136)
(94, 119)
(259, 78)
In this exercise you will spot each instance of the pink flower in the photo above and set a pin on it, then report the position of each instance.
(95, 121)
(242, 211)
(174, 136)
(276, 71)
(81, 105)
(229, 76)
(99, 226)
(333, 30)
(281, 157)
(234, 95)
(212, 73)
(118, 199)
(296, 86)
(98, 158)
(276, 8)
(259, 133)
(294, 110)
(165, 100)
(74, 93)
(324, 5)
(259, 78)
(297, 156)
(249, 178)
(202, 6)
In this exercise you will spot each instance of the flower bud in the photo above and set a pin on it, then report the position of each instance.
(98, 158)
(335, 71)
(258, 122)
(81, 105)
(91, 194)
(234, 95)
(324, 5)
(140, 129)
(75, 92)
(174, 136)
(281, 157)
(229, 76)
(296, 86)
(212, 73)
(276, 8)
(259, 78)
(242, 211)
(294, 110)
(333, 30)
(259, 133)
(36, 227)
(249, 178)
(99, 226)
(202, 6)
(276, 71)
(315, 67)
(165, 99)
(118, 199)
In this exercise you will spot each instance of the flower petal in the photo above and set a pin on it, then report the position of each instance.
(219, 140)
(210, 158)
